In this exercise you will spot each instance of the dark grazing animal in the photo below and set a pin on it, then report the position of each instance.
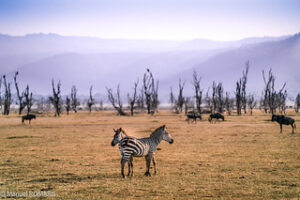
(281, 119)
(139, 147)
(193, 116)
(28, 117)
(215, 116)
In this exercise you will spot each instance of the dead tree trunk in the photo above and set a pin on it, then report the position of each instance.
(228, 103)
(297, 103)
(251, 103)
(20, 97)
(281, 99)
(180, 99)
(91, 101)
(74, 100)
(244, 84)
(214, 98)
(1, 101)
(198, 91)
(141, 100)
(68, 105)
(28, 99)
(208, 101)
(132, 100)
(238, 97)
(150, 91)
(270, 95)
(7, 96)
(116, 102)
(56, 98)
(220, 98)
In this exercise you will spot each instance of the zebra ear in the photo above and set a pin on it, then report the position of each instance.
(114, 130)
(163, 127)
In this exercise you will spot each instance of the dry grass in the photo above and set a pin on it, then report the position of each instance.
(242, 158)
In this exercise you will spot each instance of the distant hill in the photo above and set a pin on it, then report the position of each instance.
(84, 61)
(282, 56)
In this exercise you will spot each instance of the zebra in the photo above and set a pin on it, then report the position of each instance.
(118, 136)
(216, 116)
(281, 119)
(138, 147)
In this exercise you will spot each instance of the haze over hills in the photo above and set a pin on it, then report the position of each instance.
(282, 56)
(85, 61)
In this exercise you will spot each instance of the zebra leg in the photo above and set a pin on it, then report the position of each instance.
(280, 128)
(154, 165)
(131, 164)
(123, 162)
(148, 159)
(292, 128)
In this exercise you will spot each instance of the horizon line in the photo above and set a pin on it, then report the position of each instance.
(115, 38)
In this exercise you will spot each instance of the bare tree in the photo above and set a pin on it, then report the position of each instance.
(132, 100)
(7, 96)
(188, 103)
(21, 100)
(251, 102)
(220, 98)
(180, 100)
(297, 103)
(208, 101)
(91, 100)
(244, 84)
(116, 101)
(140, 100)
(74, 101)
(150, 91)
(172, 99)
(28, 99)
(281, 99)
(270, 95)
(238, 97)
(101, 107)
(68, 105)
(56, 98)
(213, 97)
(228, 103)
(198, 91)
(1, 94)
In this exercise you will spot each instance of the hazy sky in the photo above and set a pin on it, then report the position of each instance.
(152, 19)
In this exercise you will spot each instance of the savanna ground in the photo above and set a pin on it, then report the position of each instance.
(242, 158)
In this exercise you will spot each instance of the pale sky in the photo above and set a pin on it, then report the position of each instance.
(152, 19)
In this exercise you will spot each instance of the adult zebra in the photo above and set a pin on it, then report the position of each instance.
(138, 147)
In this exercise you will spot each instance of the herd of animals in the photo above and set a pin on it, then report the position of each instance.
(146, 147)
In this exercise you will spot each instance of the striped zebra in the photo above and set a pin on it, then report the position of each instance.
(138, 147)
(119, 135)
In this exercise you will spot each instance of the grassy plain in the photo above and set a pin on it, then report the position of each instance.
(241, 158)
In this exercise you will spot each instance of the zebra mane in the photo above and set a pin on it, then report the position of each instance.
(158, 129)
(122, 130)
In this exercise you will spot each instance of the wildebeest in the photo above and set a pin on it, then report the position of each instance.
(193, 115)
(215, 116)
(281, 119)
(28, 117)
